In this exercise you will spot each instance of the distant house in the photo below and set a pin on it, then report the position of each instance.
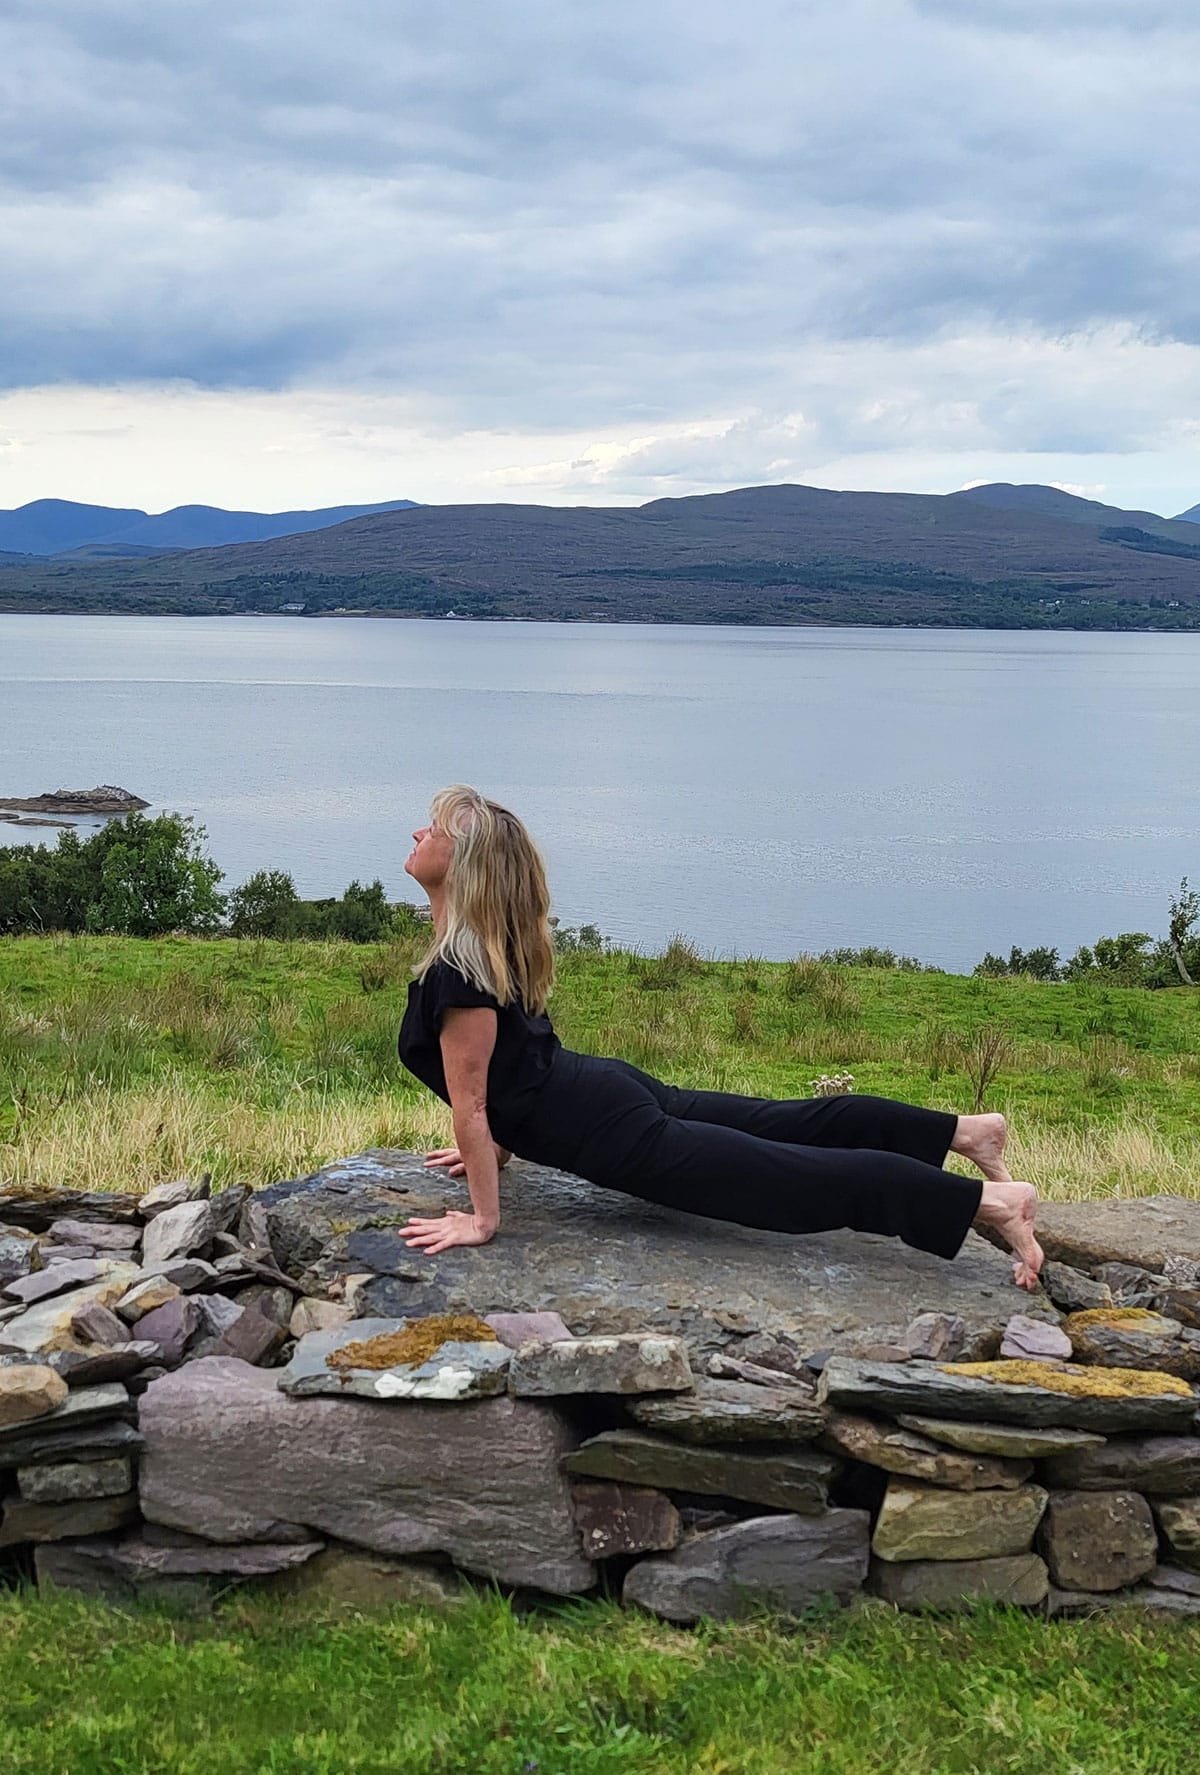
(293, 609)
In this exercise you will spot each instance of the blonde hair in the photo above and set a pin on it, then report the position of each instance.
(497, 929)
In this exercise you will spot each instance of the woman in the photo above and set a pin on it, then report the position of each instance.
(475, 1032)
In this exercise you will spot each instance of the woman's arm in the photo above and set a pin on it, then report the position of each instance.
(468, 1039)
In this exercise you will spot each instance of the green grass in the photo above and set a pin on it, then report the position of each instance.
(588, 1690)
(123, 1061)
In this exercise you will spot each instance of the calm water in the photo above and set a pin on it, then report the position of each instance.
(762, 790)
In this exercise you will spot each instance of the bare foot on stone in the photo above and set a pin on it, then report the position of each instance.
(1008, 1209)
(982, 1139)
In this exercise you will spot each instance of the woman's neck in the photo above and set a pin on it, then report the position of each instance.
(437, 905)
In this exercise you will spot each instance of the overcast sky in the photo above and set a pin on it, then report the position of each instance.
(274, 255)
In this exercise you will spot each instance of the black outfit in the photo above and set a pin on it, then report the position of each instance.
(797, 1166)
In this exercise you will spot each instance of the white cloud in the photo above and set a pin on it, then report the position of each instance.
(542, 251)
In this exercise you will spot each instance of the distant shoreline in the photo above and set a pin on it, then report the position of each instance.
(1191, 626)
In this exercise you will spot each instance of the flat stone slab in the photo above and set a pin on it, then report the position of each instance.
(90, 1442)
(56, 1278)
(732, 1411)
(793, 1480)
(230, 1457)
(905, 1452)
(923, 1522)
(1016, 1392)
(1141, 1230)
(84, 1406)
(456, 1370)
(947, 1584)
(60, 1483)
(1001, 1439)
(633, 1362)
(606, 1262)
(39, 1212)
(137, 1557)
(1098, 1541)
(46, 1327)
(21, 1521)
(786, 1563)
(1168, 1466)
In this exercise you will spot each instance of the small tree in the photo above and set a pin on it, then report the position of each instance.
(362, 915)
(151, 876)
(265, 905)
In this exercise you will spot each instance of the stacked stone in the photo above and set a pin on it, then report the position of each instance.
(99, 1295)
(173, 1419)
(1041, 1479)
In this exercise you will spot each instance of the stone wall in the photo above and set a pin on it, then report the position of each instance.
(198, 1391)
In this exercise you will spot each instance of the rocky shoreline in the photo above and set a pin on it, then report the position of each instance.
(198, 1391)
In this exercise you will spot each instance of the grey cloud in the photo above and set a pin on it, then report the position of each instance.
(538, 216)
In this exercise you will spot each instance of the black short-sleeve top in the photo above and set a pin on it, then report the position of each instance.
(521, 1060)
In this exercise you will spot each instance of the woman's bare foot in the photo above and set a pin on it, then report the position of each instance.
(1009, 1209)
(982, 1139)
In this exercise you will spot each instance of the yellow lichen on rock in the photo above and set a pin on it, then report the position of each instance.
(1095, 1383)
(1122, 1318)
(415, 1344)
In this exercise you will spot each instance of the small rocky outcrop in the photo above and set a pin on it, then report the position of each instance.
(106, 799)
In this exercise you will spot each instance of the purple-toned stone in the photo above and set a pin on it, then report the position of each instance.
(100, 1325)
(1036, 1340)
(623, 1519)
(515, 1329)
(98, 1235)
(57, 1278)
(171, 1327)
(941, 1337)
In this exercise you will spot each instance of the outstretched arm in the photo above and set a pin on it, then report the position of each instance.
(468, 1039)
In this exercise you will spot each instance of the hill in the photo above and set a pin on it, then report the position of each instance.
(61, 526)
(783, 554)
(1190, 516)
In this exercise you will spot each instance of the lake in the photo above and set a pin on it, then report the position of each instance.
(763, 791)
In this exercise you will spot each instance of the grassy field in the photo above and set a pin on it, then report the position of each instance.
(123, 1063)
(261, 1690)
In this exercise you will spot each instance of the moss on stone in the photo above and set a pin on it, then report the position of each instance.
(418, 1341)
(1122, 1318)
(1095, 1383)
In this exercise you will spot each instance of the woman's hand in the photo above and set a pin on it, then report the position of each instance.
(452, 1228)
(449, 1159)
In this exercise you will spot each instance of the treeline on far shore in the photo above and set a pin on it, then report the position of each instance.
(140, 877)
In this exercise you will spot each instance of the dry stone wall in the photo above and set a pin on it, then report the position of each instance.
(198, 1391)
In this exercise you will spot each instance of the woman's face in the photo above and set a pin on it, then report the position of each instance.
(429, 860)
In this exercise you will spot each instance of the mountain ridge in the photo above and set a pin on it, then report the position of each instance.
(56, 527)
(774, 554)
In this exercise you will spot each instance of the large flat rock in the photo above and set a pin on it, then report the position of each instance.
(1141, 1230)
(610, 1263)
(230, 1457)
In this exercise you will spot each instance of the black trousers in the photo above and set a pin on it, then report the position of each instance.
(802, 1165)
